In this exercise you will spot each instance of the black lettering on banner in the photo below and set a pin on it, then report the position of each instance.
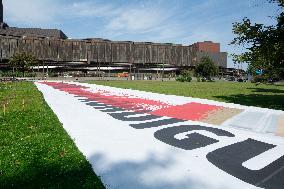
(156, 123)
(85, 100)
(230, 159)
(112, 109)
(90, 100)
(123, 116)
(95, 103)
(98, 105)
(193, 140)
(101, 107)
(122, 104)
(104, 107)
(106, 100)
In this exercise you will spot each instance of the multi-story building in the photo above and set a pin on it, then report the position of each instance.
(53, 47)
(210, 49)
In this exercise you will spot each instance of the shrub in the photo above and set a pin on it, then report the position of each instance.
(180, 78)
(265, 78)
(184, 77)
(198, 79)
(17, 74)
(188, 78)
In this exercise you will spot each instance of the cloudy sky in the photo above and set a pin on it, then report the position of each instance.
(173, 21)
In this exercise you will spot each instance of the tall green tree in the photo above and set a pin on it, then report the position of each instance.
(22, 61)
(264, 44)
(206, 68)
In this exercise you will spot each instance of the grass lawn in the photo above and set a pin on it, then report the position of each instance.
(35, 150)
(266, 96)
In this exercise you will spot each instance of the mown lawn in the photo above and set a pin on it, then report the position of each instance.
(262, 95)
(35, 150)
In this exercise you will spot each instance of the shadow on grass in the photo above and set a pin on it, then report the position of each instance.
(52, 176)
(262, 90)
(259, 100)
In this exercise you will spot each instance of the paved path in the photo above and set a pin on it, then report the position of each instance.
(143, 140)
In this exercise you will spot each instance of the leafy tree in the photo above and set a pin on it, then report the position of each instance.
(264, 44)
(251, 70)
(22, 61)
(206, 68)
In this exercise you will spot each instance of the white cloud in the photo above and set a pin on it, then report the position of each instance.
(136, 20)
(40, 12)
(154, 23)
(30, 11)
(91, 9)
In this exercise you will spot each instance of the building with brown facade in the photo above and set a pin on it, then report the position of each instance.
(210, 49)
(53, 47)
(207, 46)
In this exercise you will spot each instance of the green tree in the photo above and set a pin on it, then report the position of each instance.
(264, 44)
(206, 68)
(22, 61)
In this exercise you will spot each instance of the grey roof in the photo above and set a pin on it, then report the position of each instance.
(33, 32)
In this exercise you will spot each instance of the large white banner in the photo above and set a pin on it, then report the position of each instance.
(143, 140)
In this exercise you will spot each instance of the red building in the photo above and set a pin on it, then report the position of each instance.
(210, 49)
(207, 46)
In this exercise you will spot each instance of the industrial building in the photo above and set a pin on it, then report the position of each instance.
(52, 47)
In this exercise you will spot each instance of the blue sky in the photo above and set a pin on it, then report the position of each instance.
(174, 21)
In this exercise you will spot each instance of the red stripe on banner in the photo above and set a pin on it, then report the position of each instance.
(191, 111)
(125, 101)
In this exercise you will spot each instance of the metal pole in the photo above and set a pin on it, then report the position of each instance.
(110, 60)
(97, 49)
(158, 58)
(43, 69)
(108, 71)
(163, 63)
(104, 59)
(138, 74)
(181, 56)
(130, 77)
(131, 61)
(46, 70)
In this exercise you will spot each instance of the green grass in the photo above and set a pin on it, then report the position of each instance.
(262, 95)
(35, 150)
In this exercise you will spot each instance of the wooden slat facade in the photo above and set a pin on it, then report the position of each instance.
(97, 51)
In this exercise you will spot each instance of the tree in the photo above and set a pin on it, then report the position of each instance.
(206, 68)
(264, 44)
(22, 61)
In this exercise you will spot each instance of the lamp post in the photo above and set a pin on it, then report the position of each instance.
(164, 52)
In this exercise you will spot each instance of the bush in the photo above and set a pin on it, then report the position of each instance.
(198, 79)
(188, 78)
(265, 78)
(184, 77)
(180, 78)
(211, 80)
(17, 74)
